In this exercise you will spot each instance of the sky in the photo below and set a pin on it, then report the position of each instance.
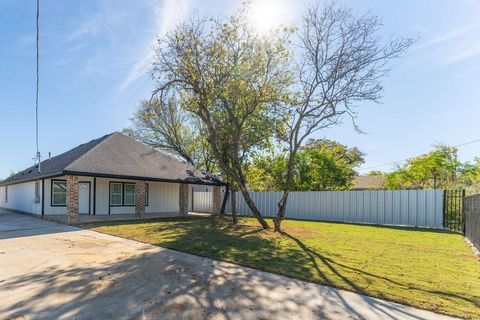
(95, 58)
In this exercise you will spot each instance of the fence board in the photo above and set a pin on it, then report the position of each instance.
(422, 208)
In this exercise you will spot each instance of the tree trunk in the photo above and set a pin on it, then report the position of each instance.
(282, 209)
(252, 207)
(234, 207)
(282, 204)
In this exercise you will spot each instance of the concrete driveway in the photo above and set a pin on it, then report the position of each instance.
(53, 271)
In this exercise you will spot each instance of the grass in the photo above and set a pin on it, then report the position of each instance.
(429, 269)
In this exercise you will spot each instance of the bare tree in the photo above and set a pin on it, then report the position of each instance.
(168, 127)
(229, 77)
(341, 62)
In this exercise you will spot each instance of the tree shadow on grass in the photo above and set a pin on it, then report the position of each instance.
(167, 284)
(335, 266)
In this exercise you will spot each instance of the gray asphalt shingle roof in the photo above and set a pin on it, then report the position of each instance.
(115, 155)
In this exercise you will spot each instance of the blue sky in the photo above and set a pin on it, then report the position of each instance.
(95, 58)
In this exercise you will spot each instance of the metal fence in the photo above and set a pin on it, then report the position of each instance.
(453, 217)
(471, 211)
(422, 208)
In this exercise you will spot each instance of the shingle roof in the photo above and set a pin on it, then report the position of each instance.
(115, 155)
(369, 183)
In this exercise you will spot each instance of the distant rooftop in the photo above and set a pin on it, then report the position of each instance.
(369, 183)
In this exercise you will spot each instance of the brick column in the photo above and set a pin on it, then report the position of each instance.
(72, 199)
(183, 198)
(139, 198)
(216, 201)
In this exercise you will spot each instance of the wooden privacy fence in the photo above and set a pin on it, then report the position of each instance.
(422, 208)
(471, 211)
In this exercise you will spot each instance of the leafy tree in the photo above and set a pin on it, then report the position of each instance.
(320, 165)
(438, 169)
(341, 60)
(376, 173)
(470, 177)
(228, 77)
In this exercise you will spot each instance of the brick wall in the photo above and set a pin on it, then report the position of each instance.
(72, 199)
(216, 201)
(140, 198)
(183, 198)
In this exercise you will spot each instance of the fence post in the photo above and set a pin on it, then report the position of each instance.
(463, 211)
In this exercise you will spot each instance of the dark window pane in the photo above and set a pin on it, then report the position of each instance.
(129, 200)
(60, 198)
(116, 199)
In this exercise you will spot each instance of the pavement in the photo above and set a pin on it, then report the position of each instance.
(54, 271)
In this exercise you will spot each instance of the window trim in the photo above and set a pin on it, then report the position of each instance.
(110, 193)
(51, 193)
(134, 194)
(37, 191)
(6, 194)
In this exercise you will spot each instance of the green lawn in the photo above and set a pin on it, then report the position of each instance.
(424, 268)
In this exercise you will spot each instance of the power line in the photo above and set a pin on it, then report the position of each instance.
(394, 162)
(37, 83)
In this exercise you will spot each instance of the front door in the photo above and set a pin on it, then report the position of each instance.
(84, 197)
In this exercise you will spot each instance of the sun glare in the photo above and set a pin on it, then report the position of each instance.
(266, 14)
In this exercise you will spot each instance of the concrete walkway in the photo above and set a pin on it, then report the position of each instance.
(54, 271)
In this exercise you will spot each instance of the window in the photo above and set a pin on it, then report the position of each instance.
(59, 193)
(37, 191)
(116, 194)
(6, 194)
(129, 194)
(146, 194)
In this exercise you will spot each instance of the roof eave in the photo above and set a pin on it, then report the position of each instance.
(130, 177)
(46, 176)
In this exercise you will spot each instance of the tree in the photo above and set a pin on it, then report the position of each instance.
(470, 176)
(341, 62)
(438, 169)
(229, 77)
(166, 126)
(320, 165)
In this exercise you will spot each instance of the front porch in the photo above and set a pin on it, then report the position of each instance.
(86, 218)
(94, 198)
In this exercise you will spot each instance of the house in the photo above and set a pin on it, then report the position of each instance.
(369, 182)
(114, 174)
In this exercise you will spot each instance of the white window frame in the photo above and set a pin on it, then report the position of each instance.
(115, 193)
(130, 194)
(37, 191)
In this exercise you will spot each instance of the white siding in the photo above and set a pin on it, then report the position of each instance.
(163, 197)
(62, 210)
(21, 197)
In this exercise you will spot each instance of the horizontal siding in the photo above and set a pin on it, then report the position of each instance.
(422, 208)
(21, 197)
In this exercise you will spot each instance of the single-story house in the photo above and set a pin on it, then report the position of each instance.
(368, 182)
(114, 174)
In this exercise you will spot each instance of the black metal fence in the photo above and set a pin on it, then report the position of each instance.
(471, 211)
(453, 217)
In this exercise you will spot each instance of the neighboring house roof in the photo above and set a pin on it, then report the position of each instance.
(116, 156)
(369, 183)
